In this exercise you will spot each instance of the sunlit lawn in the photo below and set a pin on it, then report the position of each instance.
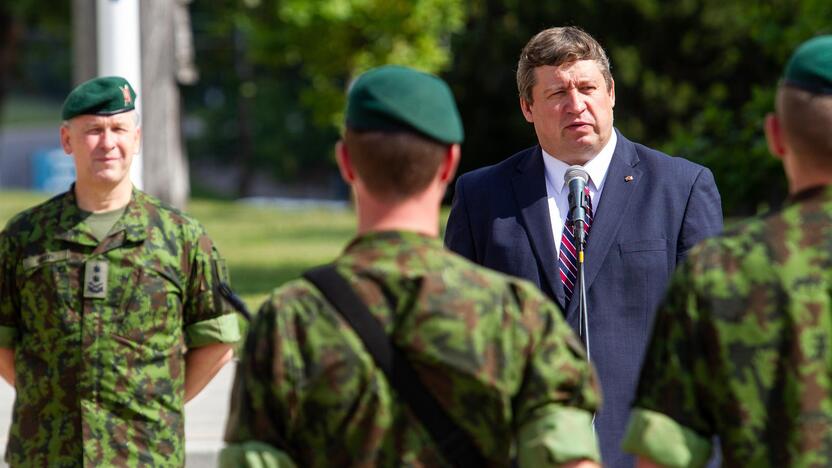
(267, 246)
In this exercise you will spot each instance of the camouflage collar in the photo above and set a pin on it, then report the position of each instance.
(134, 219)
(408, 238)
(811, 192)
(72, 228)
(71, 225)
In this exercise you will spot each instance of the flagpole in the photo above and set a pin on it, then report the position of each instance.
(119, 53)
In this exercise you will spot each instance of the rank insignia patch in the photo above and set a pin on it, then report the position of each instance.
(95, 280)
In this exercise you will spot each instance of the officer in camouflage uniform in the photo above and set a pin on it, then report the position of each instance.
(742, 347)
(496, 354)
(110, 311)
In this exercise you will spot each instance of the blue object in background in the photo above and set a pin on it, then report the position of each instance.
(53, 170)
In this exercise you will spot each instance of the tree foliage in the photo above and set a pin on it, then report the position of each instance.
(693, 77)
(291, 62)
(32, 41)
(331, 41)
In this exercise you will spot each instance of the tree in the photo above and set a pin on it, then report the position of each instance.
(293, 61)
(167, 60)
(84, 58)
(359, 35)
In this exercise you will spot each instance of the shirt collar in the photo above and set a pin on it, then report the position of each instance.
(596, 167)
(71, 226)
(808, 193)
(136, 217)
(374, 239)
(133, 221)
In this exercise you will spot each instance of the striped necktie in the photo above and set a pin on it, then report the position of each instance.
(568, 257)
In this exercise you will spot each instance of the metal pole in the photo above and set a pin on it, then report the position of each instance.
(119, 53)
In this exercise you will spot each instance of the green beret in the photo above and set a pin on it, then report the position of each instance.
(394, 98)
(106, 95)
(810, 67)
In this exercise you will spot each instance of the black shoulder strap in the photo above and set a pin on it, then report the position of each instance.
(454, 443)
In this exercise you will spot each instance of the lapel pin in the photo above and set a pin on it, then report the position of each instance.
(629, 178)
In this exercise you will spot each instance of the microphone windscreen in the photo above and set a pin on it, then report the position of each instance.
(576, 172)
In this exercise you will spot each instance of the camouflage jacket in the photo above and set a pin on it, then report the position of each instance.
(498, 355)
(99, 331)
(742, 347)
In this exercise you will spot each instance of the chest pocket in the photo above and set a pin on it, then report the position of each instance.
(645, 270)
(151, 315)
(48, 296)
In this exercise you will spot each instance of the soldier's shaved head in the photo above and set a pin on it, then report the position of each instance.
(394, 165)
(804, 102)
(807, 120)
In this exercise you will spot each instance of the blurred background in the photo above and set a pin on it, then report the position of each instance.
(248, 93)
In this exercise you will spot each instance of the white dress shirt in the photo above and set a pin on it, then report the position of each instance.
(557, 192)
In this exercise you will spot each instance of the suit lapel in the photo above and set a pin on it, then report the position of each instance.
(610, 212)
(529, 184)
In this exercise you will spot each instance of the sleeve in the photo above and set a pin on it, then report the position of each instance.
(558, 397)
(670, 421)
(254, 455)
(259, 417)
(208, 316)
(9, 302)
(222, 329)
(703, 214)
(458, 235)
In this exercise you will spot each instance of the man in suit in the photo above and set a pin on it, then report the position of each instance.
(649, 209)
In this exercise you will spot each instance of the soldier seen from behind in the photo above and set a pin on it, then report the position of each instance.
(742, 348)
(111, 315)
(436, 361)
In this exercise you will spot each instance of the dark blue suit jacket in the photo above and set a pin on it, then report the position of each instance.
(641, 230)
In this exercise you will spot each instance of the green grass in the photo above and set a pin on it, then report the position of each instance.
(13, 202)
(264, 246)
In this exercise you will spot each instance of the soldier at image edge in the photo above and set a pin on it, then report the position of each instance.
(111, 310)
(742, 347)
(492, 350)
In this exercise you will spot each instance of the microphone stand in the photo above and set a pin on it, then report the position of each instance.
(578, 214)
(579, 234)
(581, 286)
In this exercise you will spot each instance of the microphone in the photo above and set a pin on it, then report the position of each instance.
(576, 178)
